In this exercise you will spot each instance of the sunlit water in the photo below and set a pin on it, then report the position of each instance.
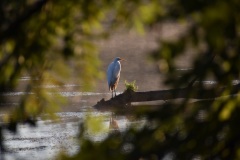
(50, 137)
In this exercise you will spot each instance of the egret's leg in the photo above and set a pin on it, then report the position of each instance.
(115, 92)
(112, 93)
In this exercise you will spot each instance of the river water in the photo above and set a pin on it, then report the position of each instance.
(50, 136)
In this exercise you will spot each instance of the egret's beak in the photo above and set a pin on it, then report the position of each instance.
(122, 59)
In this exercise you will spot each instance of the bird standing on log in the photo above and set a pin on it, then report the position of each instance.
(113, 74)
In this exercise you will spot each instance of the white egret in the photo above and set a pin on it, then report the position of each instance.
(113, 74)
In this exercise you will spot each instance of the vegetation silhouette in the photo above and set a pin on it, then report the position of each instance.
(48, 39)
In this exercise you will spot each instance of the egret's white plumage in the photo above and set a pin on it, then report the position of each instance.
(113, 74)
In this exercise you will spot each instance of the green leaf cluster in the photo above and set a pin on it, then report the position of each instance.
(131, 86)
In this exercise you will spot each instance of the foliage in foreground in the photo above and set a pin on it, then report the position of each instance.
(206, 129)
(40, 38)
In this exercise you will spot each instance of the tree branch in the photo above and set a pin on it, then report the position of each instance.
(194, 93)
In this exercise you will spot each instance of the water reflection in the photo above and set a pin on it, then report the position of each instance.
(113, 124)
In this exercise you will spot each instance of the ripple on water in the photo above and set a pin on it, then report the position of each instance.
(71, 94)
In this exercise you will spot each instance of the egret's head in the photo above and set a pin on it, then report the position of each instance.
(118, 59)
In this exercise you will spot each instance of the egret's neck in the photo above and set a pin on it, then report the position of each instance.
(116, 61)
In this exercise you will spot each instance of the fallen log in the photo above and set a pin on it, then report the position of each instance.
(126, 98)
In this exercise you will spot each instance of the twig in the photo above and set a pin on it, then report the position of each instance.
(208, 63)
